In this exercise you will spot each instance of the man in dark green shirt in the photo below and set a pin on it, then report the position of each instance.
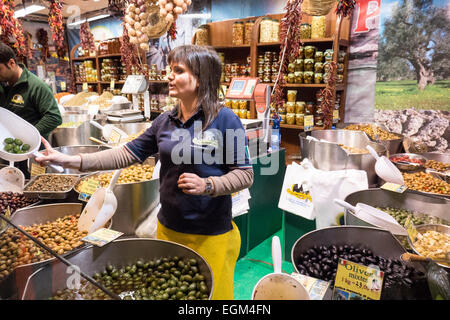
(26, 95)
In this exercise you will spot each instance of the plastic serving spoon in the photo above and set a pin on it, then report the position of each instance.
(100, 208)
(11, 179)
(278, 285)
(374, 216)
(108, 130)
(385, 169)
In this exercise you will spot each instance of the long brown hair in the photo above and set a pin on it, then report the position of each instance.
(204, 63)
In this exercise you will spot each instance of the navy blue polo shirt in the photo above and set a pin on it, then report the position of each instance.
(185, 147)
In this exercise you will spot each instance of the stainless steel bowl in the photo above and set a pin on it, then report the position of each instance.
(330, 156)
(44, 283)
(434, 227)
(392, 146)
(442, 157)
(135, 201)
(409, 200)
(71, 150)
(407, 166)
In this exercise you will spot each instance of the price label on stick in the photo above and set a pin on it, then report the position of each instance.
(87, 189)
(357, 282)
(411, 229)
(389, 186)
(37, 169)
(112, 84)
(85, 87)
(102, 236)
(309, 123)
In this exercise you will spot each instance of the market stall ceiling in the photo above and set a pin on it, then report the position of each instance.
(85, 6)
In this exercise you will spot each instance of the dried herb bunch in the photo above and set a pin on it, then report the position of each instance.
(290, 44)
(87, 38)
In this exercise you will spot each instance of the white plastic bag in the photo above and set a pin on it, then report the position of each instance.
(295, 196)
(329, 185)
(147, 229)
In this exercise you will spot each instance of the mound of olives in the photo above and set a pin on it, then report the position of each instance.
(16, 146)
(168, 278)
(321, 262)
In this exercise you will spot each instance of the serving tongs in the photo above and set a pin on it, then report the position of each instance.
(60, 258)
(444, 176)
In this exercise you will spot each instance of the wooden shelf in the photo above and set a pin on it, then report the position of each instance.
(226, 47)
(95, 82)
(84, 58)
(304, 85)
(342, 42)
(109, 82)
(294, 126)
(158, 81)
(113, 55)
(157, 111)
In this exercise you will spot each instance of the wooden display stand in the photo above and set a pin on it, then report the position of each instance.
(220, 35)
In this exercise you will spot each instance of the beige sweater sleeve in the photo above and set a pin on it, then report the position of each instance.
(234, 181)
(106, 160)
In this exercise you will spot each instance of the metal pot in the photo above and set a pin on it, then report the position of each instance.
(27, 217)
(392, 146)
(381, 242)
(79, 135)
(71, 150)
(330, 157)
(44, 283)
(135, 201)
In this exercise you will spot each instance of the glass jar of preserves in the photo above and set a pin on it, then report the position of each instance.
(242, 104)
(291, 67)
(318, 67)
(290, 107)
(300, 107)
(318, 78)
(202, 36)
(318, 109)
(309, 52)
(340, 68)
(309, 108)
(299, 119)
(236, 112)
(235, 104)
(291, 95)
(228, 68)
(298, 65)
(308, 77)
(326, 67)
(305, 31)
(275, 30)
(283, 117)
(291, 78)
(301, 50)
(238, 33)
(249, 115)
(274, 77)
(328, 55)
(248, 31)
(290, 118)
(318, 56)
(260, 60)
(282, 108)
(318, 27)
(308, 65)
(298, 76)
(340, 78)
(318, 120)
(243, 113)
(227, 103)
(234, 67)
(341, 56)
(265, 30)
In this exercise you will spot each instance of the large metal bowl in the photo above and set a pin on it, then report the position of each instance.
(44, 283)
(408, 200)
(434, 227)
(392, 146)
(330, 156)
(79, 135)
(71, 150)
(381, 242)
(442, 157)
(407, 166)
(135, 201)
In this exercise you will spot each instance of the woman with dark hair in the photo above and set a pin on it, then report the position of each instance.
(203, 151)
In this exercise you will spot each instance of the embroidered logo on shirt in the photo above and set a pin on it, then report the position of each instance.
(206, 138)
(18, 100)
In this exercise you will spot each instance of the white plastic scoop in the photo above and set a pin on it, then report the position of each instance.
(385, 169)
(110, 132)
(278, 285)
(11, 179)
(100, 208)
(374, 216)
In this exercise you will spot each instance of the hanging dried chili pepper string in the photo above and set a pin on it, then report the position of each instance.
(87, 38)
(290, 45)
(55, 21)
(11, 31)
(344, 8)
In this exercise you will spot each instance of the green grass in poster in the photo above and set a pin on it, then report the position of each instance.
(397, 95)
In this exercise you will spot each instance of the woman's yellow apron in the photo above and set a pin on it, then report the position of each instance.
(220, 251)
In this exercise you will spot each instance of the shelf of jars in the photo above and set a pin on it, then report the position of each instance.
(342, 42)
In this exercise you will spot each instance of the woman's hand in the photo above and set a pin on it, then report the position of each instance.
(192, 184)
(55, 157)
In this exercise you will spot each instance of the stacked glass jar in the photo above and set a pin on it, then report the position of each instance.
(232, 70)
(269, 30)
(239, 107)
(268, 67)
(112, 69)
